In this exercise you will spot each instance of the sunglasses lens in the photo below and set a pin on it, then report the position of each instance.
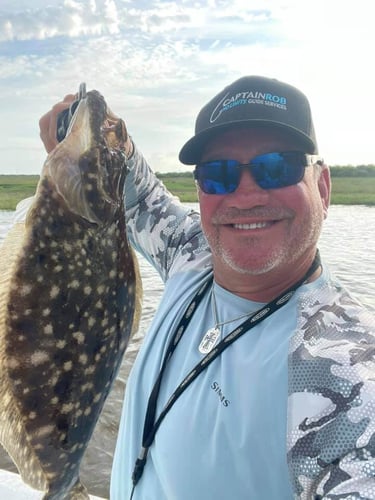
(218, 177)
(277, 170)
(270, 171)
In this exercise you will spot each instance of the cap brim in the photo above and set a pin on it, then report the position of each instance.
(192, 151)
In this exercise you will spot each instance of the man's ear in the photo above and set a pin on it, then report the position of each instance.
(324, 186)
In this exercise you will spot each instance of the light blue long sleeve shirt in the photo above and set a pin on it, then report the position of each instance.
(287, 411)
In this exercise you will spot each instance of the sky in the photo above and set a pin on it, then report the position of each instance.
(158, 62)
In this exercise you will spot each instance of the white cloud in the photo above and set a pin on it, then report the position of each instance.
(157, 63)
(71, 18)
(94, 17)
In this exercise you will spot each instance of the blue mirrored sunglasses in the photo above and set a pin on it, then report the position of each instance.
(269, 171)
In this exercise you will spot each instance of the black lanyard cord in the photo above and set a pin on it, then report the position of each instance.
(152, 402)
(150, 425)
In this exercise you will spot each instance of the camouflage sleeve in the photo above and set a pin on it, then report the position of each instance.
(331, 408)
(164, 231)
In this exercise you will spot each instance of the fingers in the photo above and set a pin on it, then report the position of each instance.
(48, 122)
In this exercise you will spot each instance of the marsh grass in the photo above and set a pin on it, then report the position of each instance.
(353, 191)
(345, 190)
(14, 188)
(182, 186)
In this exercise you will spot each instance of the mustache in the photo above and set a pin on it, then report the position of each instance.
(226, 216)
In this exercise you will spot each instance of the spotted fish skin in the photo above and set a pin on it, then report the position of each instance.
(69, 302)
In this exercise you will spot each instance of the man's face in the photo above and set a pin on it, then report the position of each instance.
(255, 231)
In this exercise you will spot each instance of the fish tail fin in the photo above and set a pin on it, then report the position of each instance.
(77, 492)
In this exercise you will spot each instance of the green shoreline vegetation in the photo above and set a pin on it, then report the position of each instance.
(350, 186)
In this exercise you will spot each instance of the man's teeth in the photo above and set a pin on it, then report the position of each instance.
(254, 225)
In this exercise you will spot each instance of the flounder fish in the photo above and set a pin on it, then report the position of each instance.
(69, 302)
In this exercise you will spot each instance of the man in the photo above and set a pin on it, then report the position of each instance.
(255, 380)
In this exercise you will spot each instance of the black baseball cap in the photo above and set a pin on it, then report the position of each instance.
(252, 101)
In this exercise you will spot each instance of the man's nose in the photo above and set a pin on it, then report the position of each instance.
(248, 193)
(247, 182)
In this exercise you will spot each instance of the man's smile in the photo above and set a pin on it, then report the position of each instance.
(253, 225)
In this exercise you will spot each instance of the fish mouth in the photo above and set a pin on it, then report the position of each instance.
(88, 168)
(94, 115)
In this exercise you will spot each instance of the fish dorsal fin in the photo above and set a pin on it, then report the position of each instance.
(12, 433)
